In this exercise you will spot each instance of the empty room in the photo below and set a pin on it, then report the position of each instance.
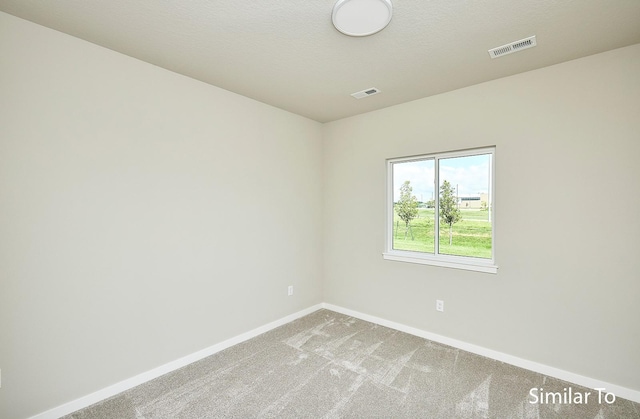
(351, 208)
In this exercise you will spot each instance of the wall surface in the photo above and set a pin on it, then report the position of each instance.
(143, 216)
(567, 290)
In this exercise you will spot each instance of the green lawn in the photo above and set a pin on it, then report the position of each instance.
(471, 235)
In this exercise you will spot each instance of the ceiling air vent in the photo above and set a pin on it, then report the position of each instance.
(366, 92)
(529, 42)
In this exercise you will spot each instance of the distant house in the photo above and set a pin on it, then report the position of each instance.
(477, 201)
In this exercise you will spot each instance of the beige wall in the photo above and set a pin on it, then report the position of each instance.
(143, 216)
(567, 291)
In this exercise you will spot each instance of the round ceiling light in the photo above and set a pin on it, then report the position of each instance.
(361, 17)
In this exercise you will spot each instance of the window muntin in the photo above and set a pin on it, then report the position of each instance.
(450, 225)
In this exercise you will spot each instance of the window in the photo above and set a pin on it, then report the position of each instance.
(451, 224)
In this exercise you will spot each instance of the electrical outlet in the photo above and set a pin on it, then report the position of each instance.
(439, 305)
(290, 290)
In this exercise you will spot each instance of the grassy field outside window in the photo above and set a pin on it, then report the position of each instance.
(471, 235)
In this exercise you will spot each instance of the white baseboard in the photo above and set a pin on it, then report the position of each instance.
(619, 391)
(129, 383)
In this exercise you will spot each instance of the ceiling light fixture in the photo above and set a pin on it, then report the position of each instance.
(361, 17)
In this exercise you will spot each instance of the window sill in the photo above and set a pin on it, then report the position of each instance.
(468, 264)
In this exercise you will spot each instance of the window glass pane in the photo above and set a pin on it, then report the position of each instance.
(413, 206)
(465, 206)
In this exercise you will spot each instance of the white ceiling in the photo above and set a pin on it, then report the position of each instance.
(287, 53)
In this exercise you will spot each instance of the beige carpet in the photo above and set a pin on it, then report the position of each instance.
(328, 365)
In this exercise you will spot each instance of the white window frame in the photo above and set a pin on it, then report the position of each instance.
(436, 259)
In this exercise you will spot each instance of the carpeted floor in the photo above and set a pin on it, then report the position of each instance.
(328, 365)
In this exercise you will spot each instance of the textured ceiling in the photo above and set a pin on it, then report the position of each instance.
(287, 53)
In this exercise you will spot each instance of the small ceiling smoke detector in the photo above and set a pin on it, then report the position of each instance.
(516, 46)
(365, 93)
(361, 17)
